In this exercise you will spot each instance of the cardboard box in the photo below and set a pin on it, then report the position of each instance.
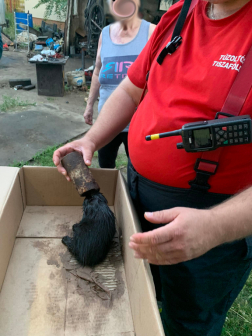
(37, 208)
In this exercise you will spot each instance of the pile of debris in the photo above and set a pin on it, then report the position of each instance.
(6, 41)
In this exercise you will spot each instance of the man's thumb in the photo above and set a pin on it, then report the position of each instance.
(87, 155)
(162, 217)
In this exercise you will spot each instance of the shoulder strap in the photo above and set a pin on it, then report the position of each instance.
(176, 39)
(207, 164)
(176, 28)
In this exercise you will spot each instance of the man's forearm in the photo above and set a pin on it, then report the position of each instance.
(114, 117)
(234, 217)
(94, 90)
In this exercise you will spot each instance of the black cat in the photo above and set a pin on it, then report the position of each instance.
(93, 235)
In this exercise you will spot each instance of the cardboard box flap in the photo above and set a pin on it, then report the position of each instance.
(45, 186)
(7, 178)
(140, 284)
(11, 211)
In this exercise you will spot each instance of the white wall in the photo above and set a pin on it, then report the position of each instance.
(39, 12)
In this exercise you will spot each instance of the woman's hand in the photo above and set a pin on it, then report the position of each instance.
(88, 115)
(84, 146)
(188, 234)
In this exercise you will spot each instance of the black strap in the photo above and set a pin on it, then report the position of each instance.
(176, 39)
(181, 19)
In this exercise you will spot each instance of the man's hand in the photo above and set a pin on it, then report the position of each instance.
(84, 146)
(188, 234)
(88, 115)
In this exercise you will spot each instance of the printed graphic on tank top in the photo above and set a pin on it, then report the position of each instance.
(116, 59)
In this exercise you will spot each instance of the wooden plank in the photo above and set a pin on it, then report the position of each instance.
(6, 40)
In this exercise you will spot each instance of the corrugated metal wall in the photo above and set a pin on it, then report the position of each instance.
(18, 5)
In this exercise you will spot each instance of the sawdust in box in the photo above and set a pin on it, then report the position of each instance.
(44, 291)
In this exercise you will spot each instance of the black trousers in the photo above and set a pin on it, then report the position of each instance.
(196, 294)
(107, 154)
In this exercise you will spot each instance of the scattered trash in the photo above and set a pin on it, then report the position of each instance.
(75, 78)
(48, 52)
(26, 88)
(41, 40)
(83, 88)
(31, 30)
(23, 82)
(37, 58)
(58, 50)
(89, 73)
(91, 68)
(29, 87)
(51, 30)
(49, 42)
(23, 37)
(6, 39)
(5, 47)
(56, 46)
(18, 87)
(38, 47)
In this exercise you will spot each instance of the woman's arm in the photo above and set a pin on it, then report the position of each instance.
(95, 86)
(114, 117)
(151, 29)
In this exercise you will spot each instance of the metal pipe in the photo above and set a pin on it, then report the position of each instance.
(96, 24)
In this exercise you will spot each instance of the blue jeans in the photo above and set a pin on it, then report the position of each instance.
(196, 294)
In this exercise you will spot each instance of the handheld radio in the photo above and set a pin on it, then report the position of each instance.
(211, 134)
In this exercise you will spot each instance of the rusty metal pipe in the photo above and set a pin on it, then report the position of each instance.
(79, 173)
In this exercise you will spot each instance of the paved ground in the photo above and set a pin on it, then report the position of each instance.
(26, 130)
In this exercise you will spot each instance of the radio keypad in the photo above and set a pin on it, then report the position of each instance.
(236, 134)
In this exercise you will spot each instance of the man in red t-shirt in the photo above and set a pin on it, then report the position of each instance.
(198, 247)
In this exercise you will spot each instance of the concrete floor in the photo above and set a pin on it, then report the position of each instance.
(54, 120)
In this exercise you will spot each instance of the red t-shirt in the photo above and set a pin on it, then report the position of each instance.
(191, 85)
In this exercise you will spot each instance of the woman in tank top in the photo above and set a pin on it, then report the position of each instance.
(119, 45)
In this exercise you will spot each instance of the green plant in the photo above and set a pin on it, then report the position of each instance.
(39, 159)
(50, 98)
(121, 161)
(36, 27)
(19, 164)
(10, 103)
(239, 321)
(59, 7)
(67, 88)
(10, 31)
(45, 158)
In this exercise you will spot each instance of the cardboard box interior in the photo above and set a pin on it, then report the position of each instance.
(37, 208)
